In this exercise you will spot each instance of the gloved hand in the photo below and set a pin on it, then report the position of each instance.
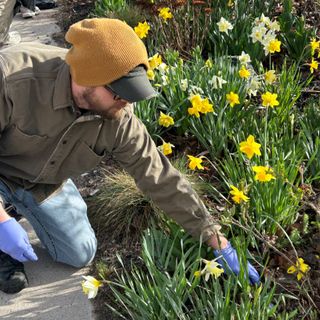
(14, 241)
(229, 255)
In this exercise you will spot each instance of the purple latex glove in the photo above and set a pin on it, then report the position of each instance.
(230, 256)
(14, 241)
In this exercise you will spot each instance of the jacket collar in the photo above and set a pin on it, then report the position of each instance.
(62, 96)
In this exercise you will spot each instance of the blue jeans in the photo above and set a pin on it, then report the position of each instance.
(60, 222)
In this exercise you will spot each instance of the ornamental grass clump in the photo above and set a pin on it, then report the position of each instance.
(120, 210)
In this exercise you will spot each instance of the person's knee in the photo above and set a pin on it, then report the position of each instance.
(82, 252)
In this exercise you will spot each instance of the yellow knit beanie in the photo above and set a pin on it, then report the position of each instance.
(103, 50)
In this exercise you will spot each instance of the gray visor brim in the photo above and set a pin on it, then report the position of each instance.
(134, 87)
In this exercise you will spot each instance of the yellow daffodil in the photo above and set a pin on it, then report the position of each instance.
(269, 99)
(263, 174)
(315, 45)
(273, 46)
(270, 76)
(142, 29)
(211, 269)
(199, 105)
(300, 268)
(196, 102)
(250, 147)
(195, 163)
(206, 106)
(224, 25)
(165, 120)
(209, 63)
(150, 74)
(313, 65)
(238, 196)
(230, 3)
(244, 72)
(90, 286)
(165, 13)
(155, 61)
(166, 148)
(232, 98)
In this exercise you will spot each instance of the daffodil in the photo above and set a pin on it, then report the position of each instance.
(232, 98)
(244, 58)
(217, 82)
(313, 65)
(165, 13)
(244, 72)
(254, 85)
(263, 174)
(270, 76)
(269, 99)
(184, 84)
(274, 26)
(209, 63)
(237, 195)
(166, 148)
(196, 102)
(90, 286)
(155, 61)
(258, 33)
(195, 163)
(150, 74)
(273, 46)
(224, 25)
(300, 268)
(142, 29)
(165, 120)
(212, 268)
(206, 106)
(250, 147)
(315, 45)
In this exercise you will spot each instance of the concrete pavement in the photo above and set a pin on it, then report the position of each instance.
(54, 291)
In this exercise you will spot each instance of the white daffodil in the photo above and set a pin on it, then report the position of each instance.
(258, 33)
(224, 25)
(217, 82)
(274, 26)
(90, 286)
(163, 68)
(254, 86)
(265, 20)
(184, 84)
(244, 58)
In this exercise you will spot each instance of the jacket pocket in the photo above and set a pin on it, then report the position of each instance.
(14, 142)
(80, 159)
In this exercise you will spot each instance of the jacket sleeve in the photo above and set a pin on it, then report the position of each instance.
(4, 107)
(157, 178)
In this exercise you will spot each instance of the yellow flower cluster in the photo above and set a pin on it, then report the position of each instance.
(199, 105)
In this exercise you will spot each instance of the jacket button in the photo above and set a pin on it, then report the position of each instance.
(64, 141)
(52, 162)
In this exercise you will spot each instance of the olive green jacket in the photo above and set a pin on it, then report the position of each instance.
(44, 139)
